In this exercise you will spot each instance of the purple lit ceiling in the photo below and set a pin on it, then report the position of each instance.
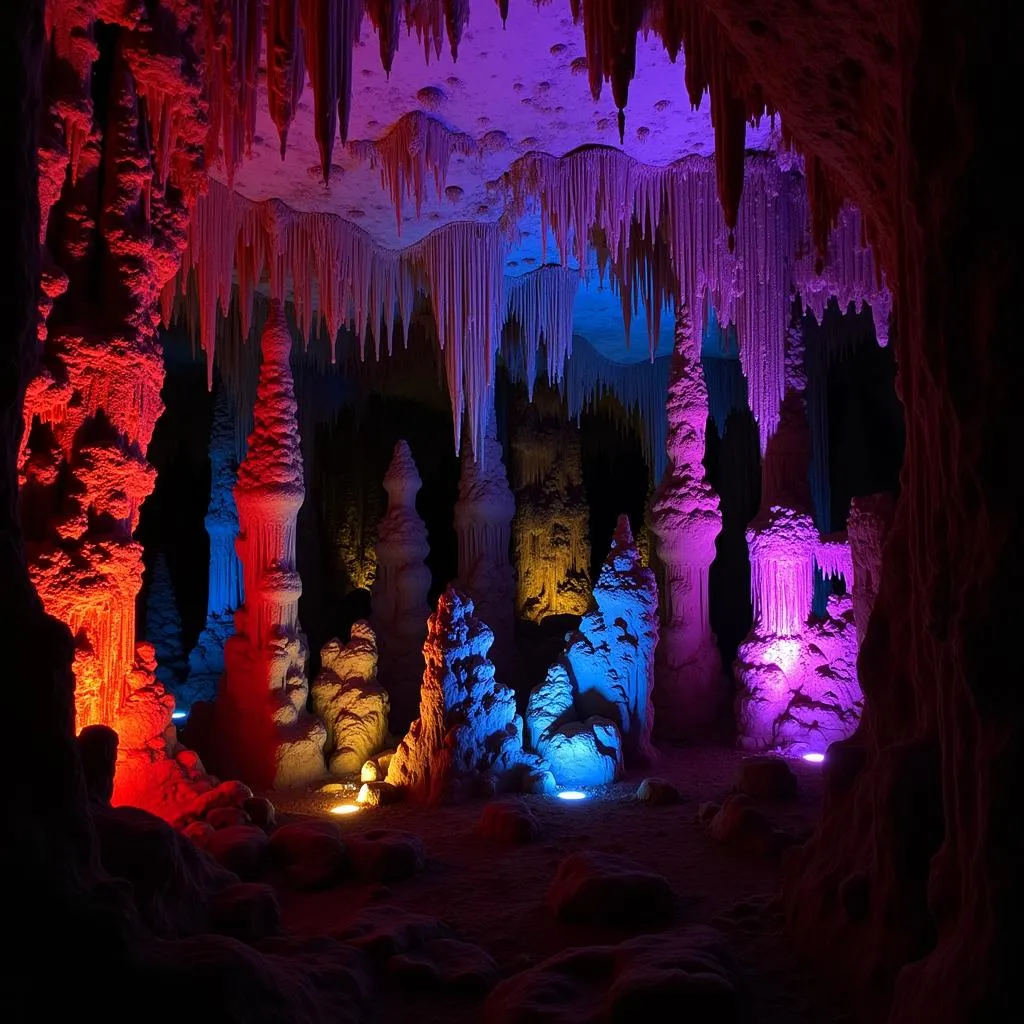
(514, 89)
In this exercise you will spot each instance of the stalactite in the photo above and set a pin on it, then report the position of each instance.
(286, 67)
(330, 29)
(541, 303)
(263, 731)
(685, 519)
(414, 147)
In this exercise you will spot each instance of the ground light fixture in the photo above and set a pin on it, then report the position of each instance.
(572, 794)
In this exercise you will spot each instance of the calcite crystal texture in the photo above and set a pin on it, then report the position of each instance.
(468, 723)
(594, 712)
(400, 607)
(347, 698)
(264, 734)
(685, 520)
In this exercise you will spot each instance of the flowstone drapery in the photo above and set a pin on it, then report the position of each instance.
(797, 675)
(593, 712)
(550, 530)
(467, 727)
(263, 732)
(400, 608)
(685, 520)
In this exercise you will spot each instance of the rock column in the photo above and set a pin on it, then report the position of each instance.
(685, 520)
(264, 733)
(868, 526)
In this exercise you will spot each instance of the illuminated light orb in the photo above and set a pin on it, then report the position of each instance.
(179, 715)
(814, 758)
(346, 809)
(572, 794)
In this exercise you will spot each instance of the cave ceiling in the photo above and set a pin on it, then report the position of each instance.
(515, 88)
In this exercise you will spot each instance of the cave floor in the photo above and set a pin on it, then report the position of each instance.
(493, 894)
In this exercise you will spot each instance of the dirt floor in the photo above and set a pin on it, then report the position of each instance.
(494, 894)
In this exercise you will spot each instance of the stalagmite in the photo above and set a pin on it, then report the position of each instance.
(114, 243)
(467, 725)
(550, 531)
(483, 525)
(224, 594)
(346, 696)
(798, 688)
(594, 709)
(868, 527)
(685, 519)
(400, 608)
(163, 626)
(263, 732)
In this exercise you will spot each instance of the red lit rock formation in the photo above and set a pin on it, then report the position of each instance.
(868, 526)
(264, 734)
(115, 240)
(685, 520)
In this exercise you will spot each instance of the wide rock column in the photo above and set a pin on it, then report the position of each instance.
(689, 696)
(483, 524)
(400, 607)
(868, 526)
(263, 732)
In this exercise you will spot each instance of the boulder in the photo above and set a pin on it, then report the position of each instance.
(247, 911)
(239, 848)
(658, 792)
(446, 964)
(766, 778)
(386, 855)
(606, 889)
(508, 821)
(310, 854)
(378, 794)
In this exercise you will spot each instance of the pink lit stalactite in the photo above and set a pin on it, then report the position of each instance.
(685, 519)
(868, 527)
(782, 538)
(483, 524)
(263, 732)
(400, 606)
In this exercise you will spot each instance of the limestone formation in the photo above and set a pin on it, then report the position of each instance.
(163, 626)
(345, 695)
(686, 520)
(594, 709)
(206, 660)
(468, 722)
(868, 526)
(264, 734)
(400, 608)
(550, 531)
(483, 524)
(797, 674)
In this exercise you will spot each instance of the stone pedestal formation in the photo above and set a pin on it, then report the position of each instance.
(468, 733)
(797, 675)
(867, 526)
(483, 524)
(593, 713)
(224, 596)
(685, 519)
(400, 607)
(550, 531)
(349, 701)
(263, 732)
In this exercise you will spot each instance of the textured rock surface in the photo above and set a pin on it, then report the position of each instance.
(310, 854)
(163, 626)
(692, 970)
(346, 697)
(483, 524)
(508, 821)
(263, 731)
(550, 531)
(689, 696)
(607, 889)
(400, 608)
(594, 708)
(658, 792)
(386, 855)
(468, 721)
